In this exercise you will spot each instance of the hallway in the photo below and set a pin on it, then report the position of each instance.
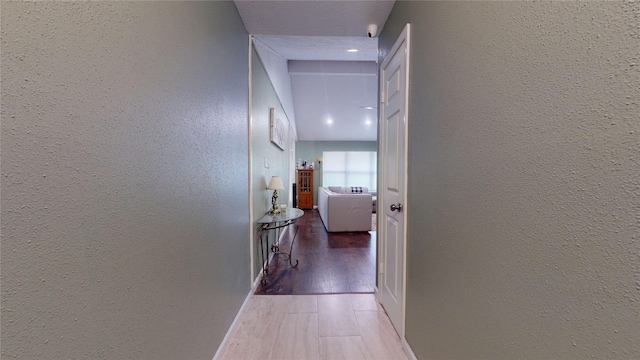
(345, 326)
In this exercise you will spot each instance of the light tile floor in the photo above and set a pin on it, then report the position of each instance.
(288, 327)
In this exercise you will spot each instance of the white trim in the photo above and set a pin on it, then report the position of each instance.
(256, 282)
(275, 53)
(332, 74)
(407, 350)
(232, 329)
(407, 206)
(403, 340)
(250, 128)
(234, 325)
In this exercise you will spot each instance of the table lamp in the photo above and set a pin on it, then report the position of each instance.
(275, 184)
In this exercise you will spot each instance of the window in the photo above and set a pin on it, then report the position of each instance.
(350, 168)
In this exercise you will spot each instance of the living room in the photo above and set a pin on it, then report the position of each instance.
(326, 107)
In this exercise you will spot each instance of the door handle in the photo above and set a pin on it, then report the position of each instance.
(396, 207)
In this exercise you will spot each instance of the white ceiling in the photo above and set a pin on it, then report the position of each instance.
(312, 17)
(322, 47)
(324, 30)
(331, 100)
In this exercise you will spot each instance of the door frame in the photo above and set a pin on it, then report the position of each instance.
(403, 38)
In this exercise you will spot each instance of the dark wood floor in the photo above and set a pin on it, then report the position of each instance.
(329, 263)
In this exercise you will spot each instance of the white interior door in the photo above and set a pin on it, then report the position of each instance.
(393, 149)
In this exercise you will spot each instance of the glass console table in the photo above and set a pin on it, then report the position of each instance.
(273, 222)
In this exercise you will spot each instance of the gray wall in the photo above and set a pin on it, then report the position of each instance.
(124, 178)
(263, 97)
(523, 214)
(311, 150)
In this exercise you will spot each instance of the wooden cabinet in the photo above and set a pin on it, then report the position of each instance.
(305, 188)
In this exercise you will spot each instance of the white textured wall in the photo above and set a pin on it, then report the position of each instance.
(124, 178)
(524, 179)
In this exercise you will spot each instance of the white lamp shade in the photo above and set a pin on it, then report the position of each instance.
(275, 183)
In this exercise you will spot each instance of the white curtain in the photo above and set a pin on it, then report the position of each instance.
(349, 168)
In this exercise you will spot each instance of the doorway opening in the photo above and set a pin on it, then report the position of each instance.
(331, 105)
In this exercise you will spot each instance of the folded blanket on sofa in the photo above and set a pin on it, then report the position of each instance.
(349, 189)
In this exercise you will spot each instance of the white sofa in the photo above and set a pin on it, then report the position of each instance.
(344, 211)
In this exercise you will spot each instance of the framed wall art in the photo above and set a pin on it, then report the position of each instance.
(277, 129)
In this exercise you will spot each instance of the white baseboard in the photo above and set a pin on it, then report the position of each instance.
(405, 345)
(236, 320)
(407, 350)
(232, 328)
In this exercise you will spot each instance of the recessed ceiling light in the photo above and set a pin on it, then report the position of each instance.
(352, 50)
(329, 121)
(367, 107)
(368, 122)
